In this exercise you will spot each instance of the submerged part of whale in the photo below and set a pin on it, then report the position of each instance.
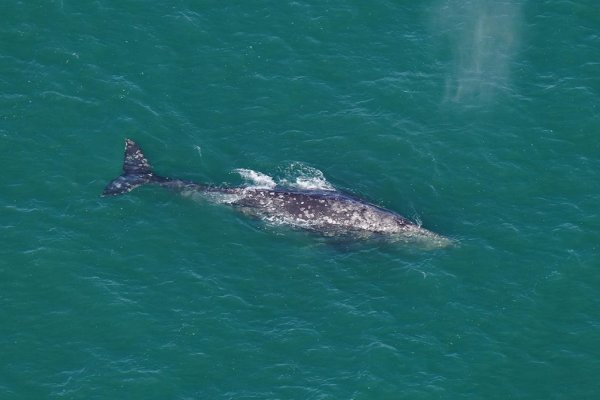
(325, 211)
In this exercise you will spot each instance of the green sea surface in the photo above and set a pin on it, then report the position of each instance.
(478, 119)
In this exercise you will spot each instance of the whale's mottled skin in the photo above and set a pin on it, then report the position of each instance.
(325, 211)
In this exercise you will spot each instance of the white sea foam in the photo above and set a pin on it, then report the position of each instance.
(256, 179)
(296, 175)
(301, 176)
(312, 183)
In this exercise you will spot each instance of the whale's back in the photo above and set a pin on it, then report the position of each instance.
(327, 211)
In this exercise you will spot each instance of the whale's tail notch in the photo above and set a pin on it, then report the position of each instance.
(136, 171)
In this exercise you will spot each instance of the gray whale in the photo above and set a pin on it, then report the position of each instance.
(328, 212)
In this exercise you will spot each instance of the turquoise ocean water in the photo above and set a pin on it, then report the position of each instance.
(480, 119)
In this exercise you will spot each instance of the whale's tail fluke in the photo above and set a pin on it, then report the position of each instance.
(136, 171)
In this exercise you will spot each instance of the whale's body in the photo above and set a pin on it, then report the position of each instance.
(326, 211)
